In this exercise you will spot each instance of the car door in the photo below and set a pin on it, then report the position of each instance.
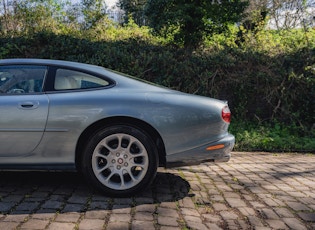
(23, 109)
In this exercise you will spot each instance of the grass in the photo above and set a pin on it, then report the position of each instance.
(272, 137)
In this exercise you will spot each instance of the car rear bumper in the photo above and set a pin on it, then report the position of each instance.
(220, 151)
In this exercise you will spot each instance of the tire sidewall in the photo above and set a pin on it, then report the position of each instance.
(146, 141)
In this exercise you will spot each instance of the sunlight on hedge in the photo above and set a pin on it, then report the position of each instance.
(266, 75)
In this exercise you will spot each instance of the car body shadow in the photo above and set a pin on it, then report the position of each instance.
(68, 192)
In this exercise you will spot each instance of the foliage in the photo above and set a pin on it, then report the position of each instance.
(20, 18)
(274, 137)
(134, 9)
(107, 30)
(259, 86)
(268, 77)
(189, 21)
(93, 11)
(284, 14)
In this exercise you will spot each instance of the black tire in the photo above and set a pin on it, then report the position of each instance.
(120, 160)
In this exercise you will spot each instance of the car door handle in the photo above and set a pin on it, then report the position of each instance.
(28, 105)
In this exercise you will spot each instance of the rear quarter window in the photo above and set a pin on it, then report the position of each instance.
(70, 80)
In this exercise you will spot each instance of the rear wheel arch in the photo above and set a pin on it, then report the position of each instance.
(108, 122)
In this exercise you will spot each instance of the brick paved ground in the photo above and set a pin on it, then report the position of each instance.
(252, 191)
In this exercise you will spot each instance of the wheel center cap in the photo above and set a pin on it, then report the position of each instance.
(120, 161)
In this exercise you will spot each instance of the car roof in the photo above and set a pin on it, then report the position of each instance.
(51, 62)
(59, 63)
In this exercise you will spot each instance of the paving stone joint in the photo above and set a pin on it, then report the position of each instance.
(251, 191)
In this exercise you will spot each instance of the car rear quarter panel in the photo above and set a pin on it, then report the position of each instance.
(187, 121)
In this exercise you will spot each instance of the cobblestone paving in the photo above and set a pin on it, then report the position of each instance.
(252, 191)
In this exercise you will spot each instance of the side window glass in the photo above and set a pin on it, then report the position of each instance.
(22, 79)
(70, 79)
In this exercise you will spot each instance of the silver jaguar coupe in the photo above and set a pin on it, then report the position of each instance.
(115, 129)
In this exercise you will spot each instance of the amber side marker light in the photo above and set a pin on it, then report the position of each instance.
(214, 147)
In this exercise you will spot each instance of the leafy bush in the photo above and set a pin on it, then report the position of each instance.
(272, 137)
(270, 77)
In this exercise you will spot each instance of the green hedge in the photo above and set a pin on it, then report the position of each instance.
(270, 86)
(258, 86)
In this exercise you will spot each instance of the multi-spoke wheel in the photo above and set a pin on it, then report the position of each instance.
(120, 160)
